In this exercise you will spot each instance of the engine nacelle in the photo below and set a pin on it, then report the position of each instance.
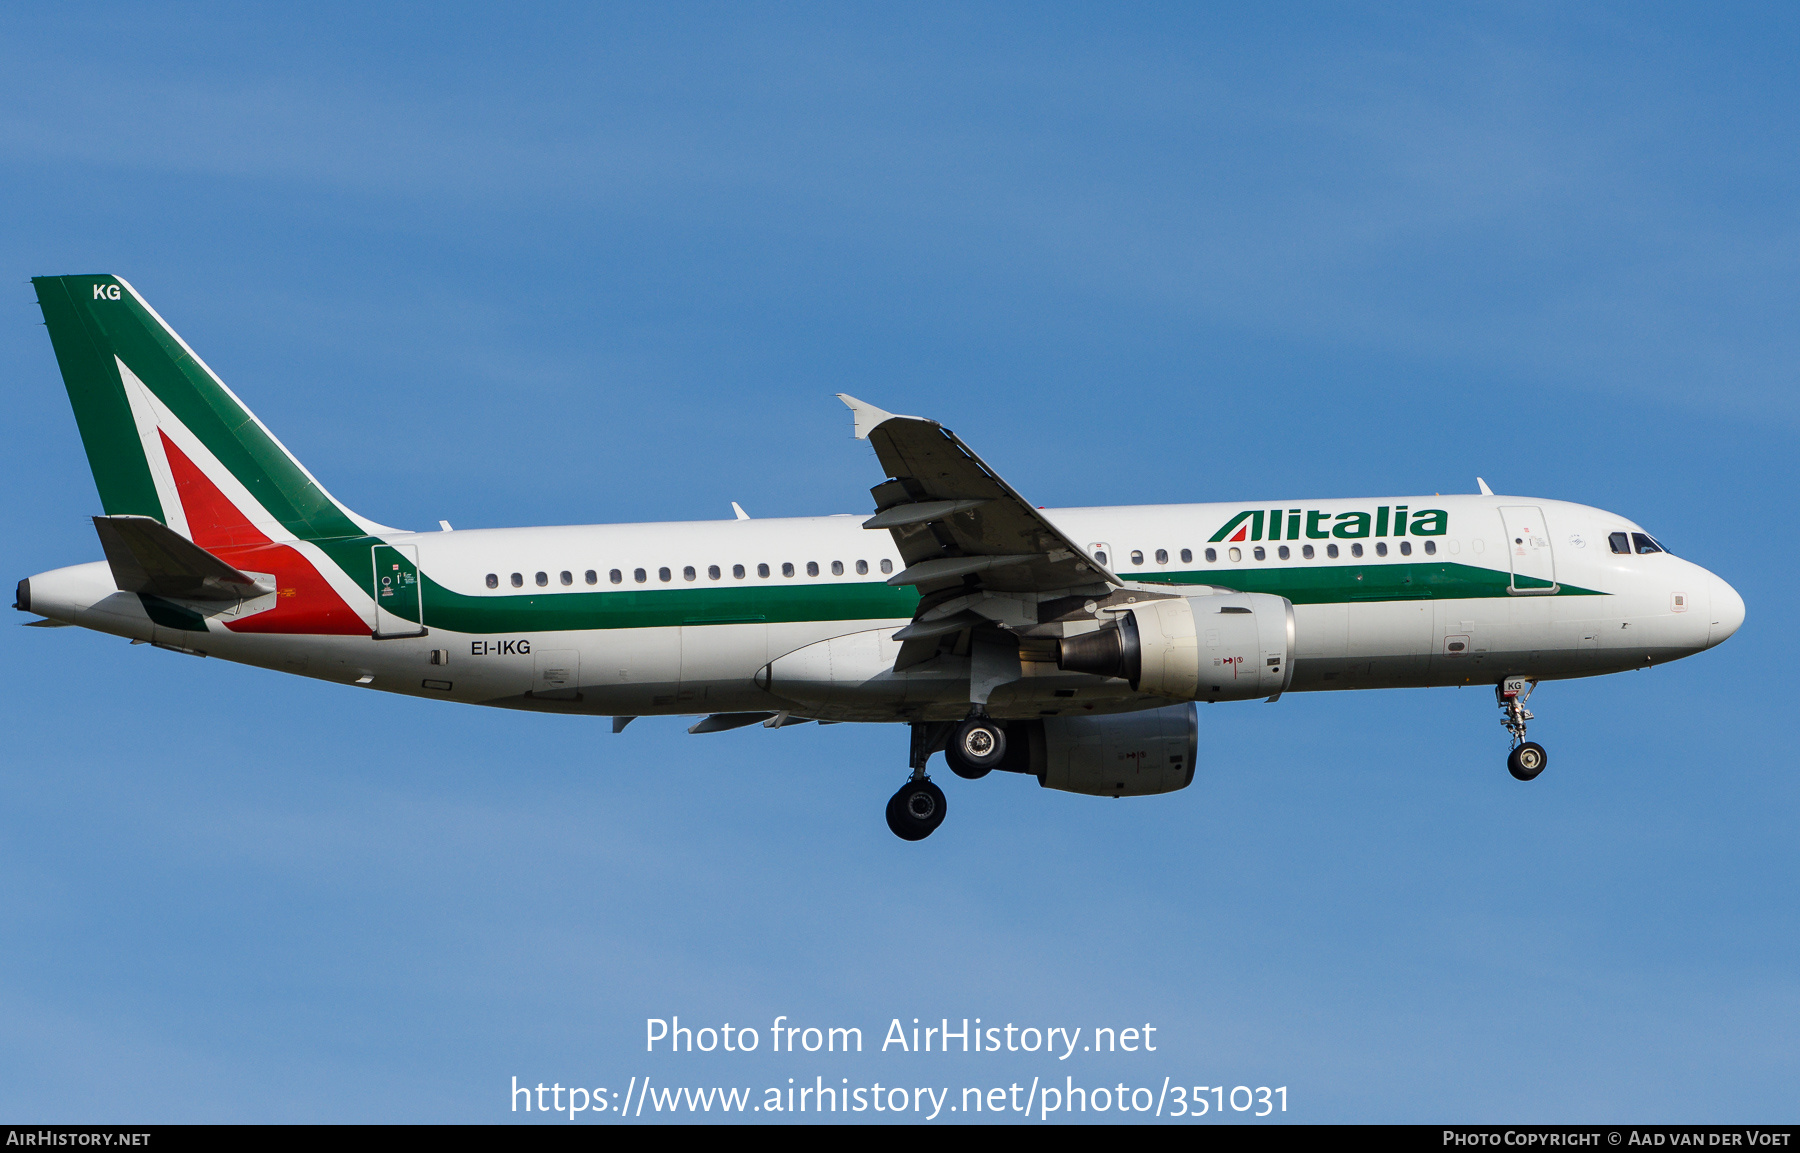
(1111, 755)
(1226, 647)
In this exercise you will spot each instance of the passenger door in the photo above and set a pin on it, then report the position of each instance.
(397, 590)
(1528, 548)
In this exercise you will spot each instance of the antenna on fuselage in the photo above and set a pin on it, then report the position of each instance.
(739, 509)
(1485, 490)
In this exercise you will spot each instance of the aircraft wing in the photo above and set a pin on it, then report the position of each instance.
(963, 533)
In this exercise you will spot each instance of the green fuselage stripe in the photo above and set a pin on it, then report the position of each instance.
(548, 610)
(1337, 584)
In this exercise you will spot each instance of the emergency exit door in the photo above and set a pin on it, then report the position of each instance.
(399, 603)
(1528, 547)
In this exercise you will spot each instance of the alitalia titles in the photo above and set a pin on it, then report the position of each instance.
(1312, 524)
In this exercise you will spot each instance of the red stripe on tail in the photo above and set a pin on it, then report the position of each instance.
(305, 602)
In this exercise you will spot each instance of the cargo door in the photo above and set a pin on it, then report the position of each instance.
(399, 605)
(556, 674)
(1528, 548)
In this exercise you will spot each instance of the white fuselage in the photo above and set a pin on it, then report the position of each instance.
(681, 640)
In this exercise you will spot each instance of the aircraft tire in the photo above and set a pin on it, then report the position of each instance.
(916, 811)
(976, 748)
(961, 766)
(1527, 761)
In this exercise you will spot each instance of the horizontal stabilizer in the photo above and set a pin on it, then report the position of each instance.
(148, 557)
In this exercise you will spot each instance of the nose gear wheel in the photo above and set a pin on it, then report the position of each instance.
(1527, 758)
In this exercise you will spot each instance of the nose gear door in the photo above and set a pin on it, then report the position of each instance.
(1528, 548)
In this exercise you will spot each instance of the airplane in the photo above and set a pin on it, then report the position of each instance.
(1071, 645)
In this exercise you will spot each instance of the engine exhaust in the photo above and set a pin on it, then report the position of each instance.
(1111, 652)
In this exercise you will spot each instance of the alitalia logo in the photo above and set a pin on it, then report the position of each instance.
(1314, 524)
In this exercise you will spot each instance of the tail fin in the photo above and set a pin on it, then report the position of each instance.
(165, 437)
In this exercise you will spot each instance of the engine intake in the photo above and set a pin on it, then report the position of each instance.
(1227, 647)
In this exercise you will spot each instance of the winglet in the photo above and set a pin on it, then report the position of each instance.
(868, 417)
(1485, 490)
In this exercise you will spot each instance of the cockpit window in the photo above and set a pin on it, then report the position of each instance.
(1620, 542)
(1644, 543)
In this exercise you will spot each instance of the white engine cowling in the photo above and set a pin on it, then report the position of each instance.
(1114, 755)
(1227, 647)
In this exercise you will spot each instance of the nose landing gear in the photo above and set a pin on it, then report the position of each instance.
(1527, 758)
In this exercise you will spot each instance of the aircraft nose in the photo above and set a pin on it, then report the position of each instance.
(1727, 612)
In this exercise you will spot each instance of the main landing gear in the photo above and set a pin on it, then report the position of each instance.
(1528, 758)
(916, 811)
(973, 748)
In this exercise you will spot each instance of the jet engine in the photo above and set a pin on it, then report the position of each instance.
(1226, 647)
(1109, 755)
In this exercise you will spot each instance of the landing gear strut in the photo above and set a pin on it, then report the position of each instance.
(916, 811)
(1528, 758)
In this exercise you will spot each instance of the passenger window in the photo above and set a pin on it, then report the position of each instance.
(787, 568)
(593, 577)
(518, 581)
(1306, 551)
(812, 568)
(663, 574)
(1260, 553)
(712, 572)
(1162, 556)
(688, 573)
(567, 577)
(762, 570)
(1236, 554)
(1356, 550)
(1283, 552)
(1137, 556)
(1619, 542)
(1187, 556)
(1212, 555)
(1406, 548)
(493, 580)
(887, 566)
(639, 575)
(1431, 548)
(616, 577)
(1645, 544)
(837, 568)
(1380, 548)
(862, 568)
(1331, 551)
(737, 572)
(542, 579)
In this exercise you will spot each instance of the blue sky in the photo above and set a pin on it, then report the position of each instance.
(610, 263)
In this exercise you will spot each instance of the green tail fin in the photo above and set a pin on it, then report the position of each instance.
(137, 387)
